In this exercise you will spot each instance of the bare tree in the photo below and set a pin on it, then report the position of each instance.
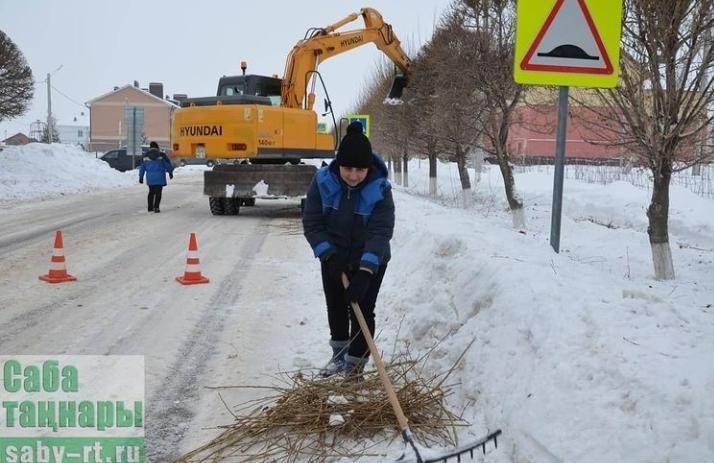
(388, 133)
(424, 115)
(396, 133)
(494, 23)
(459, 101)
(16, 85)
(661, 110)
(396, 123)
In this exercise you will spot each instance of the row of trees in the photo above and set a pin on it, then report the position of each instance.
(462, 97)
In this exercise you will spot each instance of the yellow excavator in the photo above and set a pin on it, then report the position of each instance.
(258, 128)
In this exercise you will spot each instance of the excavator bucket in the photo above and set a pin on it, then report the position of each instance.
(395, 93)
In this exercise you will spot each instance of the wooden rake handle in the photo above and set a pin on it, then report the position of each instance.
(391, 395)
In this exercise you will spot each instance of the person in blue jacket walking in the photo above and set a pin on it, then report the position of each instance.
(155, 165)
(348, 219)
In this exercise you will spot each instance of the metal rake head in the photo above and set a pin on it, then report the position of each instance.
(431, 456)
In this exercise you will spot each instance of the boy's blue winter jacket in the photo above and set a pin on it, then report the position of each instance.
(356, 223)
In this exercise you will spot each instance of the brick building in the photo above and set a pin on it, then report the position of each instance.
(532, 137)
(590, 137)
(107, 129)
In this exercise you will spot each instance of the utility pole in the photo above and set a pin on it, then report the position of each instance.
(50, 125)
(49, 109)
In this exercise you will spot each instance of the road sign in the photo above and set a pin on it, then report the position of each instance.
(363, 118)
(134, 120)
(573, 43)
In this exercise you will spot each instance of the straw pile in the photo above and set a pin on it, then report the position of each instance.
(310, 419)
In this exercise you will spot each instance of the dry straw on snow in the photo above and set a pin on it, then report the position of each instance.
(309, 419)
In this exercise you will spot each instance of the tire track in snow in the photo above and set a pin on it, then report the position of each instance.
(170, 410)
(38, 316)
(15, 241)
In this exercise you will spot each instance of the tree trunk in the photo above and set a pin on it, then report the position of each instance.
(518, 217)
(464, 177)
(514, 202)
(463, 171)
(657, 215)
(405, 168)
(478, 166)
(501, 145)
(432, 174)
(398, 170)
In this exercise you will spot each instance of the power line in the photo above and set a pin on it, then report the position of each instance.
(70, 99)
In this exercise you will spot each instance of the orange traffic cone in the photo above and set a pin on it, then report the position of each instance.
(58, 270)
(192, 275)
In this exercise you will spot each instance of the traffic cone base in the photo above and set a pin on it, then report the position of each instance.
(49, 278)
(192, 274)
(192, 280)
(58, 270)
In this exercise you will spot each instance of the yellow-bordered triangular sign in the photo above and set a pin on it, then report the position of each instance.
(574, 43)
(562, 46)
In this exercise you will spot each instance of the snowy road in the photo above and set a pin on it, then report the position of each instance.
(127, 302)
(587, 330)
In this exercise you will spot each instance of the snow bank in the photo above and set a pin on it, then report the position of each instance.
(39, 170)
(578, 356)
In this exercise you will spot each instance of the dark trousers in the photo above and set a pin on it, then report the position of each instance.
(154, 198)
(343, 323)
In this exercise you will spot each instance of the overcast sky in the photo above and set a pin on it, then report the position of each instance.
(186, 45)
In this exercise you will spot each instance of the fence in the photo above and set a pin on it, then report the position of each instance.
(641, 177)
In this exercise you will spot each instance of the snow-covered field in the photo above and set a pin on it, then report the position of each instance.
(578, 357)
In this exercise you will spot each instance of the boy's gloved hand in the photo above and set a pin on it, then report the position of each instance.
(141, 180)
(358, 286)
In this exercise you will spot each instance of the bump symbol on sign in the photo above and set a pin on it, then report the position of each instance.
(568, 41)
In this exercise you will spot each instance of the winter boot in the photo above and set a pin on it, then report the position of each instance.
(354, 366)
(337, 362)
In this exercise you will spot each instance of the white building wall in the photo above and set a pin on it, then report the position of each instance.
(73, 134)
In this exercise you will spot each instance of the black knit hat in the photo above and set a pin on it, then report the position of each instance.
(355, 149)
(153, 144)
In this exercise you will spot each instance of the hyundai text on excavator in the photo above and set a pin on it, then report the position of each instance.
(259, 128)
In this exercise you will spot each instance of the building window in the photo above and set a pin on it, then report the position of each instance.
(80, 133)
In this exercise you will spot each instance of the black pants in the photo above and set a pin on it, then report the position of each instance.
(154, 198)
(343, 323)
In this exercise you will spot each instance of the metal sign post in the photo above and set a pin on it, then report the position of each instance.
(134, 121)
(568, 43)
(559, 169)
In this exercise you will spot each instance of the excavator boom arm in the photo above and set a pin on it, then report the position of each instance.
(325, 43)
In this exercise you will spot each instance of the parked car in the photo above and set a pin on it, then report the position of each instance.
(180, 162)
(120, 160)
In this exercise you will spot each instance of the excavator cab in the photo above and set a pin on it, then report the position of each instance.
(252, 85)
